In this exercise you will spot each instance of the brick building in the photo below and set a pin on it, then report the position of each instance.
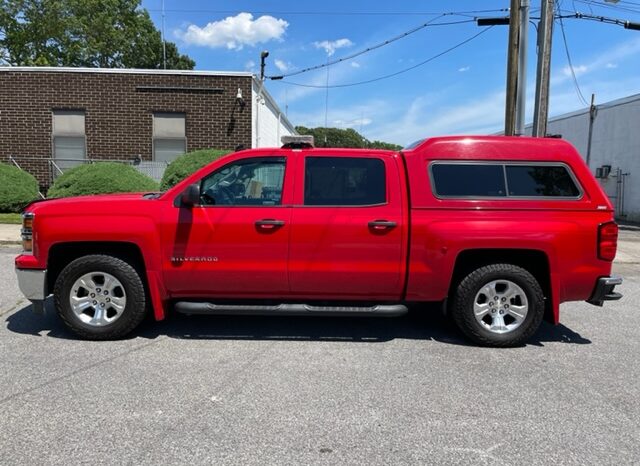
(53, 118)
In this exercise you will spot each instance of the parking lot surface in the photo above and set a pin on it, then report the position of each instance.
(260, 390)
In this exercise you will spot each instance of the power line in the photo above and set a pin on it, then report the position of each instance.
(369, 49)
(573, 72)
(335, 13)
(380, 78)
(602, 19)
(591, 4)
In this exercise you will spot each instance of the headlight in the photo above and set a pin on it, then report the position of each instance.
(27, 233)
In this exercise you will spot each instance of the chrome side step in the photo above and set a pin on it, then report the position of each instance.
(380, 310)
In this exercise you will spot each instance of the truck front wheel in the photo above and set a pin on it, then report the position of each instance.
(498, 305)
(100, 297)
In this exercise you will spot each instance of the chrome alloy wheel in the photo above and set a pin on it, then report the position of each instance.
(500, 306)
(97, 299)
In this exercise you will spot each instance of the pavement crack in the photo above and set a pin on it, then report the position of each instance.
(14, 307)
(77, 371)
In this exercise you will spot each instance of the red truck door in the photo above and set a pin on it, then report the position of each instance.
(235, 244)
(347, 227)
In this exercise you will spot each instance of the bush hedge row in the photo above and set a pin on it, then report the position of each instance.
(17, 188)
(186, 164)
(101, 178)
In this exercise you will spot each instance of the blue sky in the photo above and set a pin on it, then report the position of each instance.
(461, 92)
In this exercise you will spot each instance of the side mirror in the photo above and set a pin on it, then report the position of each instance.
(190, 196)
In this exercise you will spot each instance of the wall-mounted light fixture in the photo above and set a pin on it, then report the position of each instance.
(239, 100)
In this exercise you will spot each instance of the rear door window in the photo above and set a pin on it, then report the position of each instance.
(344, 181)
(468, 180)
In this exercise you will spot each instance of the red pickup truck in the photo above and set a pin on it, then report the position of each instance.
(500, 230)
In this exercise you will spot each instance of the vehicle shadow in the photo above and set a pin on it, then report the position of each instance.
(421, 323)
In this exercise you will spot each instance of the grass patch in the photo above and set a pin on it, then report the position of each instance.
(11, 218)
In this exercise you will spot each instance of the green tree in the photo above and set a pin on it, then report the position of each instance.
(383, 145)
(88, 33)
(337, 137)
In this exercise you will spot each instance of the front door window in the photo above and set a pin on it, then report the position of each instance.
(251, 182)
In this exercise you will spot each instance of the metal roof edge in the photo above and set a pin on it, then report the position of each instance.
(612, 103)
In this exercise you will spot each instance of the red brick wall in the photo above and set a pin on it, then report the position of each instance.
(118, 117)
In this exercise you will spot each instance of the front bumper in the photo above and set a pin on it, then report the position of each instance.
(33, 284)
(603, 290)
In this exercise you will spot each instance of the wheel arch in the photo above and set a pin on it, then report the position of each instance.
(535, 261)
(61, 254)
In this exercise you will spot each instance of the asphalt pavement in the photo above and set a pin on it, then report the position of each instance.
(259, 390)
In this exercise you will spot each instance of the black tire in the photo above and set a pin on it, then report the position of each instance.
(463, 305)
(134, 308)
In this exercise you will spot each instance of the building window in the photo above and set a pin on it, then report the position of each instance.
(169, 136)
(69, 141)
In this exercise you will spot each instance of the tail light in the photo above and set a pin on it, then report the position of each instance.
(27, 233)
(607, 241)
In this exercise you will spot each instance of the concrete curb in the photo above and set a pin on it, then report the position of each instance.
(10, 233)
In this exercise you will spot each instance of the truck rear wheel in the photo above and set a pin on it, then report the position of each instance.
(100, 297)
(498, 305)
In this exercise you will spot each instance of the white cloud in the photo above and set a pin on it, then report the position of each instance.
(421, 119)
(464, 68)
(578, 70)
(355, 123)
(601, 60)
(611, 65)
(281, 65)
(234, 32)
(355, 116)
(250, 66)
(355, 64)
(330, 46)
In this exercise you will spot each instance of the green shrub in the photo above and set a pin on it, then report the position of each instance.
(101, 178)
(17, 188)
(186, 164)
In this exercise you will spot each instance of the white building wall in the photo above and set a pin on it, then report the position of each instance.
(268, 124)
(616, 142)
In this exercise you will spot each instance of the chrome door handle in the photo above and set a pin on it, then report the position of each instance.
(382, 224)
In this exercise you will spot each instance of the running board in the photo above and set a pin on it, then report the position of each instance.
(380, 310)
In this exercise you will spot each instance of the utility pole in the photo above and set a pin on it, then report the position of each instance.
(545, 31)
(522, 67)
(512, 68)
(593, 110)
(259, 99)
(164, 42)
